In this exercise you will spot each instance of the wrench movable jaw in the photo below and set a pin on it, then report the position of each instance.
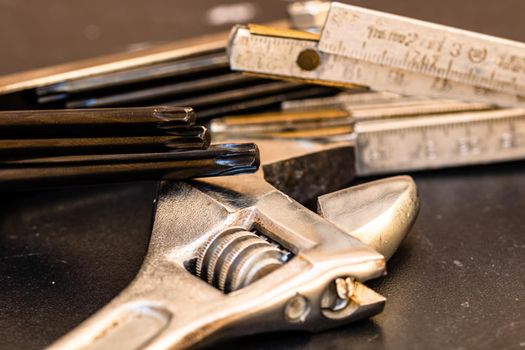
(379, 213)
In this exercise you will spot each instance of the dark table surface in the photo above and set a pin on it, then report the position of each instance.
(457, 282)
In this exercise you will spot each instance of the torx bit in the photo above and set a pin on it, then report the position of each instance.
(212, 96)
(118, 121)
(180, 138)
(218, 160)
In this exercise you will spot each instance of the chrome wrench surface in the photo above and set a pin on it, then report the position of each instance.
(271, 264)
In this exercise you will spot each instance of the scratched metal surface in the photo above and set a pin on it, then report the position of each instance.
(456, 283)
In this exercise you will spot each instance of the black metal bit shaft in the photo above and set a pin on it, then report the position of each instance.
(94, 121)
(218, 160)
(193, 137)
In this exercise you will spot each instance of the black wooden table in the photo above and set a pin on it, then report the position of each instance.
(456, 283)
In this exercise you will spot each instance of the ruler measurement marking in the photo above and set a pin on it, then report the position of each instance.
(280, 60)
(469, 77)
(441, 144)
(469, 49)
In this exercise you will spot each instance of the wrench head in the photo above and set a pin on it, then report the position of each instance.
(225, 227)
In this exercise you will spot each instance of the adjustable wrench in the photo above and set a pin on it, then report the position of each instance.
(234, 256)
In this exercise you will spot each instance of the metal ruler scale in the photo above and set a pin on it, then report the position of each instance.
(417, 135)
(430, 142)
(346, 54)
(422, 47)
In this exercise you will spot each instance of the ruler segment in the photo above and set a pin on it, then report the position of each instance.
(277, 56)
(397, 110)
(387, 146)
(425, 48)
(344, 99)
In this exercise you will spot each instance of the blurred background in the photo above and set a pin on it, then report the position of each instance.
(36, 33)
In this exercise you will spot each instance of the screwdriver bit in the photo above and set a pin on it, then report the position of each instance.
(218, 160)
(117, 121)
(180, 138)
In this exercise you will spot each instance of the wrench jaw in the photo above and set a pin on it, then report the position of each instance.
(379, 213)
(336, 160)
(293, 297)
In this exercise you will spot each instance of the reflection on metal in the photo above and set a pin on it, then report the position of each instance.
(265, 124)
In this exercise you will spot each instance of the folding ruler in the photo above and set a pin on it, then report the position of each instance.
(387, 53)
(373, 50)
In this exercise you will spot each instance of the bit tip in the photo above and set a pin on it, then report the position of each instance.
(239, 158)
(196, 137)
(175, 114)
